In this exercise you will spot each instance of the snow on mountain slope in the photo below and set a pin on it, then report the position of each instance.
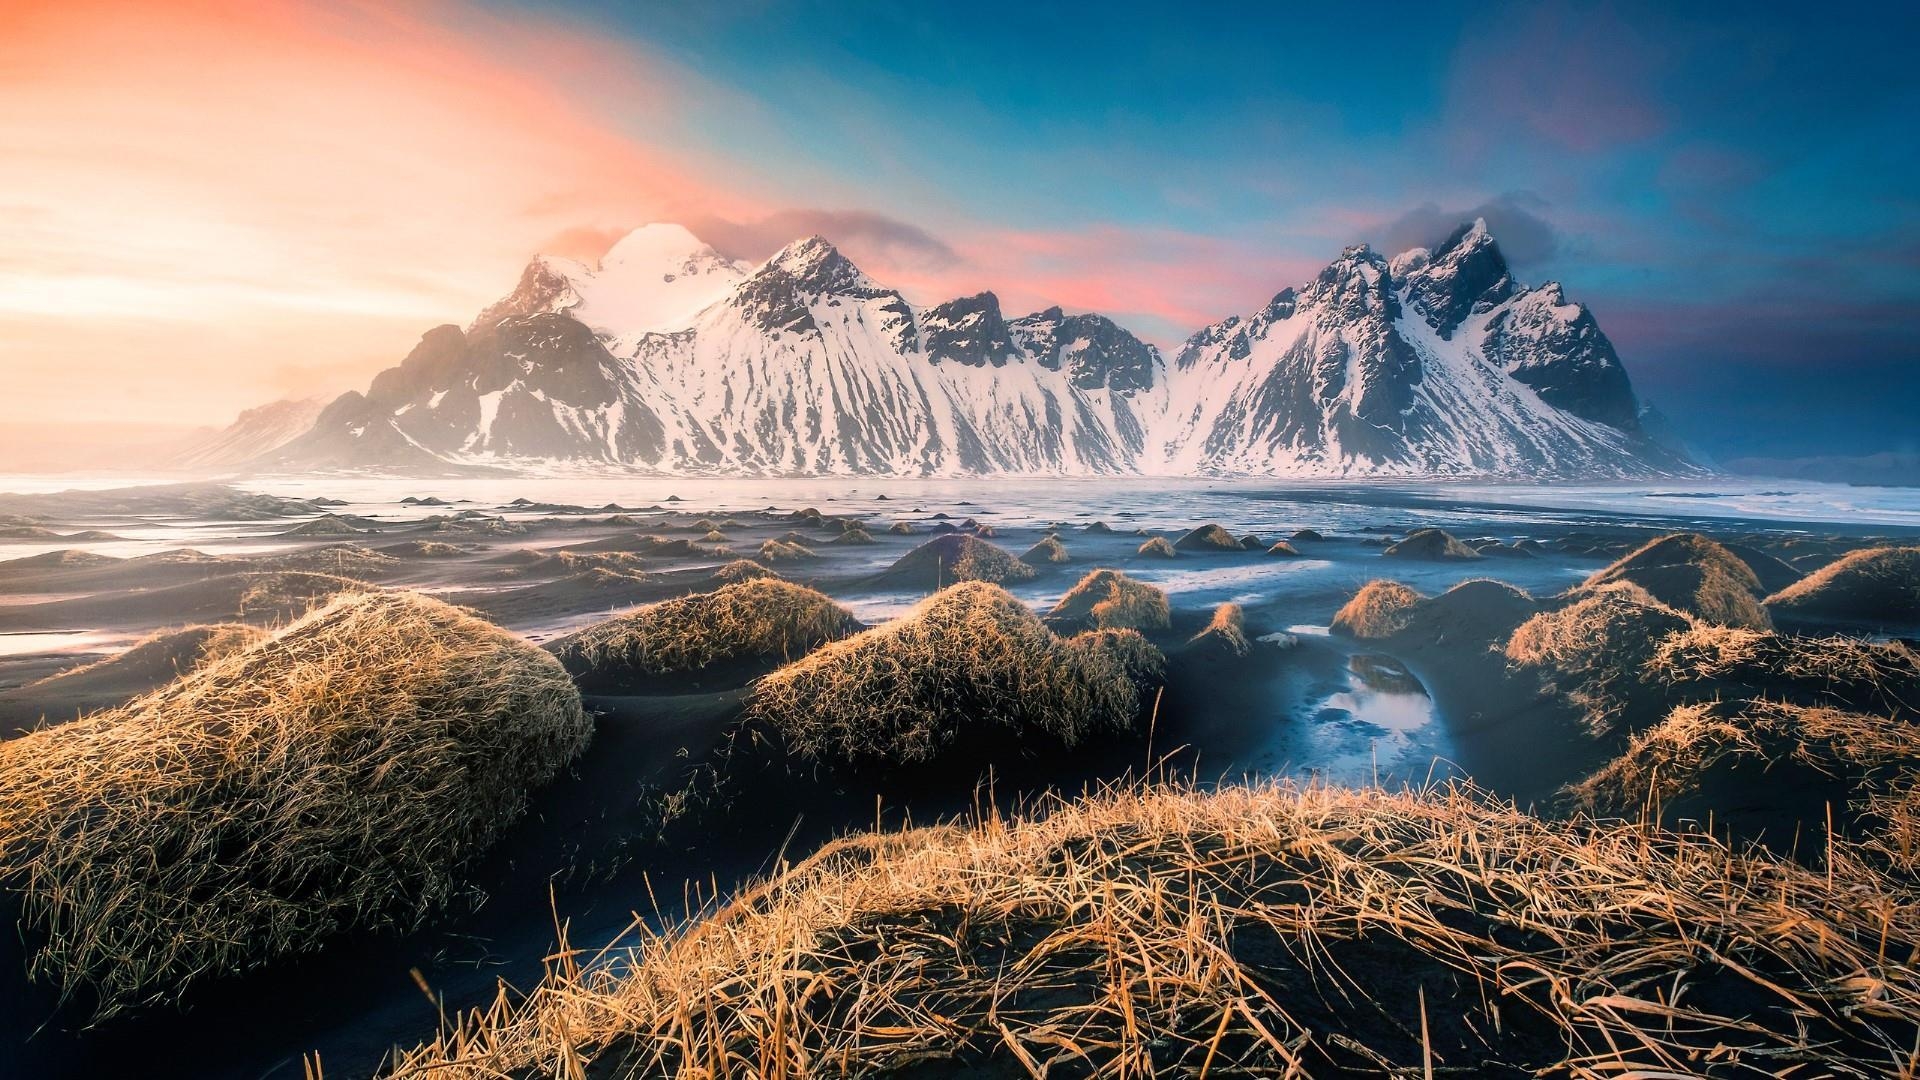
(259, 430)
(657, 277)
(667, 357)
(1433, 364)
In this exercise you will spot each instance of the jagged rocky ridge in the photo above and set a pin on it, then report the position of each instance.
(668, 357)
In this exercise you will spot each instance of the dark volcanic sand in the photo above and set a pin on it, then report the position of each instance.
(594, 847)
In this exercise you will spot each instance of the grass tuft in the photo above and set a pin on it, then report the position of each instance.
(1109, 599)
(1158, 547)
(335, 777)
(968, 660)
(1380, 609)
(768, 619)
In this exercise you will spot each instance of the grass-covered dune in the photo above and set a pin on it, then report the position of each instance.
(764, 619)
(337, 776)
(1241, 932)
(970, 664)
(1872, 586)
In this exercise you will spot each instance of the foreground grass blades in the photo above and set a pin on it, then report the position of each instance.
(337, 776)
(1269, 931)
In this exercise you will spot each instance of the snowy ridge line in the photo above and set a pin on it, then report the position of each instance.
(668, 358)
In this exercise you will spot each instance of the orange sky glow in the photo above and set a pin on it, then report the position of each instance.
(211, 205)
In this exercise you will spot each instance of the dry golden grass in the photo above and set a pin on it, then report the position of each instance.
(1692, 574)
(953, 557)
(1595, 651)
(1841, 706)
(1047, 552)
(1380, 609)
(741, 570)
(621, 562)
(290, 592)
(1111, 599)
(779, 551)
(748, 619)
(338, 776)
(902, 528)
(968, 660)
(714, 536)
(1158, 547)
(1880, 677)
(1226, 632)
(1870, 585)
(1268, 931)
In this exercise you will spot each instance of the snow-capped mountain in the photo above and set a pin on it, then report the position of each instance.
(1435, 363)
(668, 357)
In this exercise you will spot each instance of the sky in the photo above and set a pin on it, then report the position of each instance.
(205, 206)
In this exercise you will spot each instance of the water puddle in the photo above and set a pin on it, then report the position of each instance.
(1380, 727)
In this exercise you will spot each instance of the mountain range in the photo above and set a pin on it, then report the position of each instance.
(668, 357)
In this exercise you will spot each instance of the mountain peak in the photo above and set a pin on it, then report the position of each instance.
(1465, 275)
(657, 244)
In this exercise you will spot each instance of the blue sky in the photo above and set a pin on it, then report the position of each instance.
(1732, 189)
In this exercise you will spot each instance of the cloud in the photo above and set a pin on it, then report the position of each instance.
(1515, 219)
(1580, 78)
(868, 238)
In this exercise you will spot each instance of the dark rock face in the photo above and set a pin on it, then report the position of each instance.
(507, 390)
(968, 331)
(1464, 276)
(777, 299)
(1094, 351)
(1558, 349)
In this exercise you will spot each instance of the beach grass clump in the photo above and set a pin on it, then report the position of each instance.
(1872, 586)
(1240, 931)
(1158, 547)
(758, 619)
(1048, 552)
(1722, 661)
(619, 562)
(954, 557)
(779, 551)
(1109, 599)
(1595, 651)
(741, 570)
(970, 663)
(1693, 574)
(337, 776)
(1209, 537)
(1430, 545)
(1225, 634)
(285, 593)
(902, 528)
(1380, 609)
(853, 535)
